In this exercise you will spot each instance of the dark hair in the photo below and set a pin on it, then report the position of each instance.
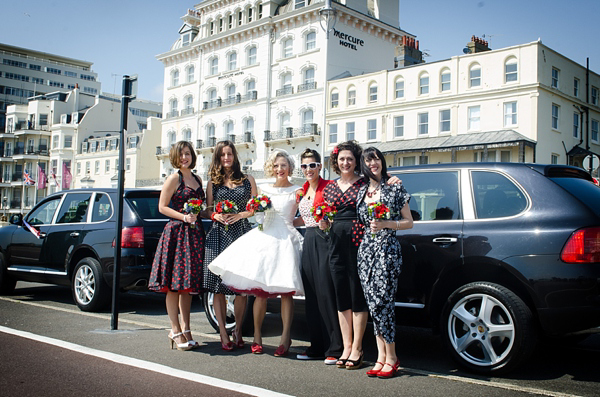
(352, 146)
(369, 154)
(308, 153)
(175, 153)
(216, 173)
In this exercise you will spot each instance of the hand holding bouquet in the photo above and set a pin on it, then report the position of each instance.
(259, 204)
(226, 207)
(378, 210)
(193, 206)
(324, 212)
(299, 195)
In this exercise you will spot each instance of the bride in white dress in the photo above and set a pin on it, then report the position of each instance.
(267, 263)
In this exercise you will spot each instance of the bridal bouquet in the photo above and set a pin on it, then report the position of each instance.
(324, 212)
(226, 207)
(194, 206)
(378, 210)
(259, 204)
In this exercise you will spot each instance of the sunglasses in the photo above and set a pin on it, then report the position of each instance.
(309, 165)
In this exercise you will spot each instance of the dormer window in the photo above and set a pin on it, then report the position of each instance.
(188, 34)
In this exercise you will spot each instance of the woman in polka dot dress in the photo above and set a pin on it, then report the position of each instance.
(177, 266)
(226, 182)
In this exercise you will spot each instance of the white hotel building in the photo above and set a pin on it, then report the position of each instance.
(254, 72)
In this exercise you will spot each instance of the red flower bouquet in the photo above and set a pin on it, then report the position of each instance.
(226, 207)
(259, 204)
(299, 195)
(324, 212)
(378, 210)
(194, 206)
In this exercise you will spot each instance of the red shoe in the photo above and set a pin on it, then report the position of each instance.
(256, 348)
(238, 341)
(282, 351)
(227, 347)
(374, 372)
(390, 373)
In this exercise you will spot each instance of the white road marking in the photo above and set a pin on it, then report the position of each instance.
(498, 385)
(147, 365)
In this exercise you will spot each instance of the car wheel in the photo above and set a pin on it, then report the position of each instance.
(487, 328)
(90, 292)
(7, 283)
(209, 309)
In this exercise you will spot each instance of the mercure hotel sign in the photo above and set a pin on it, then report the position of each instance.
(348, 41)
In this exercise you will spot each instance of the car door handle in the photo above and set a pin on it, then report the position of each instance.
(445, 240)
(74, 234)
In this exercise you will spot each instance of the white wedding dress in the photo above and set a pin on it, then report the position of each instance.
(267, 262)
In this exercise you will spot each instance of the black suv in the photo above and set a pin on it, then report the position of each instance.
(75, 243)
(499, 254)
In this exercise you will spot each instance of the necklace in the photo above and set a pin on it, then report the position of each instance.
(374, 192)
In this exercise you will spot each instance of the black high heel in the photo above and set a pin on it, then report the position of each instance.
(356, 364)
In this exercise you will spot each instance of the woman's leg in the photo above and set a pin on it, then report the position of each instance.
(239, 308)
(172, 303)
(185, 307)
(345, 318)
(359, 324)
(220, 312)
(287, 316)
(259, 310)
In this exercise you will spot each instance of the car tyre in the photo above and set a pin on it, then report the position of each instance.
(487, 328)
(90, 291)
(209, 309)
(7, 283)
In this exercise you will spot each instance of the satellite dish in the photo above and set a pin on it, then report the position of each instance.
(466, 50)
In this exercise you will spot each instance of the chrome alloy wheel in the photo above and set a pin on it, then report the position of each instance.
(481, 330)
(84, 285)
(229, 311)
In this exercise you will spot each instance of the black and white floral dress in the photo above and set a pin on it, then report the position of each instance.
(380, 260)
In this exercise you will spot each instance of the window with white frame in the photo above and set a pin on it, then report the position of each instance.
(409, 160)
(333, 131)
(228, 128)
(555, 77)
(214, 66)
(371, 129)
(78, 168)
(128, 164)
(172, 136)
(286, 80)
(510, 114)
(424, 84)
(594, 130)
(231, 92)
(249, 125)
(398, 126)
(373, 92)
(511, 72)
(594, 96)
(576, 87)
(133, 142)
(310, 41)
(173, 105)
(554, 158)
(307, 118)
(187, 135)
(240, 18)
(87, 168)
(116, 164)
(287, 48)
(68, 141)
(55, 139)
(335, 99)
(505, 156)
(555, 116)
(351, 96)
(445, 120)
(284, 121)
(475, 76)
(210, 131)
(175, 78)
(350, 128)
(474, 113)
(252, 56)
(232, 61)
(575, 125)
(212, 27)
(309, 76)
(102, 145)
(221, 24)
(189, 104)
(399, 88)
(299, 4)
(445, 80)
(97, 167)
(106, 167)
(230, 21)
(190, 74)
(423, 123)
(211, 94)
(250, 86)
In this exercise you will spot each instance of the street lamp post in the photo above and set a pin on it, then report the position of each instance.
(328, 19)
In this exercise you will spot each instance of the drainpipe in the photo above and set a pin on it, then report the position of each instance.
(269, 85)
(587, 109)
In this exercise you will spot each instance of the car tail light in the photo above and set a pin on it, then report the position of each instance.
(583, 246)
(132, 237)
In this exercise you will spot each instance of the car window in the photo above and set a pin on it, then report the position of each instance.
(496, 196)
(147, 206)
(585, 191)
(102, 208)
(43, 214)
(74, 208)
(434, 195)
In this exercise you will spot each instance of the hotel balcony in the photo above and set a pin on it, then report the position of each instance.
(187, 111)
(229, 101)
(290, 135)
(30, 152)
(172, 114)
(288, 90)
(307, 86)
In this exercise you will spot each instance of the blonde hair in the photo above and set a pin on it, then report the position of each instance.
(269, 173)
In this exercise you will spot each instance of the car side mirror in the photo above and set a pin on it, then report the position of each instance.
(16, 219)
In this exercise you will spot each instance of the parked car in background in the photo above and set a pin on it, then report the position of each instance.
(75, 245)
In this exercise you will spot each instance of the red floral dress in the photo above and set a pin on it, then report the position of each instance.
(179, 255)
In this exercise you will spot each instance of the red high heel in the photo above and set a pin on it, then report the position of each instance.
(227, 347)
(237, 340)
(282, 351)
(256, 348)
(374, 372)
(390, 373)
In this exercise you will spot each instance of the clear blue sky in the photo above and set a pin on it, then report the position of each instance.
(123, 37)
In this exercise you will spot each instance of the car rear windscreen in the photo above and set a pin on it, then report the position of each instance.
(146, 206)
(585, 191)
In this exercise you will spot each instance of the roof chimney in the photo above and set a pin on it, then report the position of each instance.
(477, 45)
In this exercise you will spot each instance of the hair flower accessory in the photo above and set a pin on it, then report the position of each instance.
(335, 150)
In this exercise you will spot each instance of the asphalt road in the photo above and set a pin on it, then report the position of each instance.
(48, 347)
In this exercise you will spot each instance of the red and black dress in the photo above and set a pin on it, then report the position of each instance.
(179, 255)
(344, 239)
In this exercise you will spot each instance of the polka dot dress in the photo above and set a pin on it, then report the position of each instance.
(218, 238)
(179, 255)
